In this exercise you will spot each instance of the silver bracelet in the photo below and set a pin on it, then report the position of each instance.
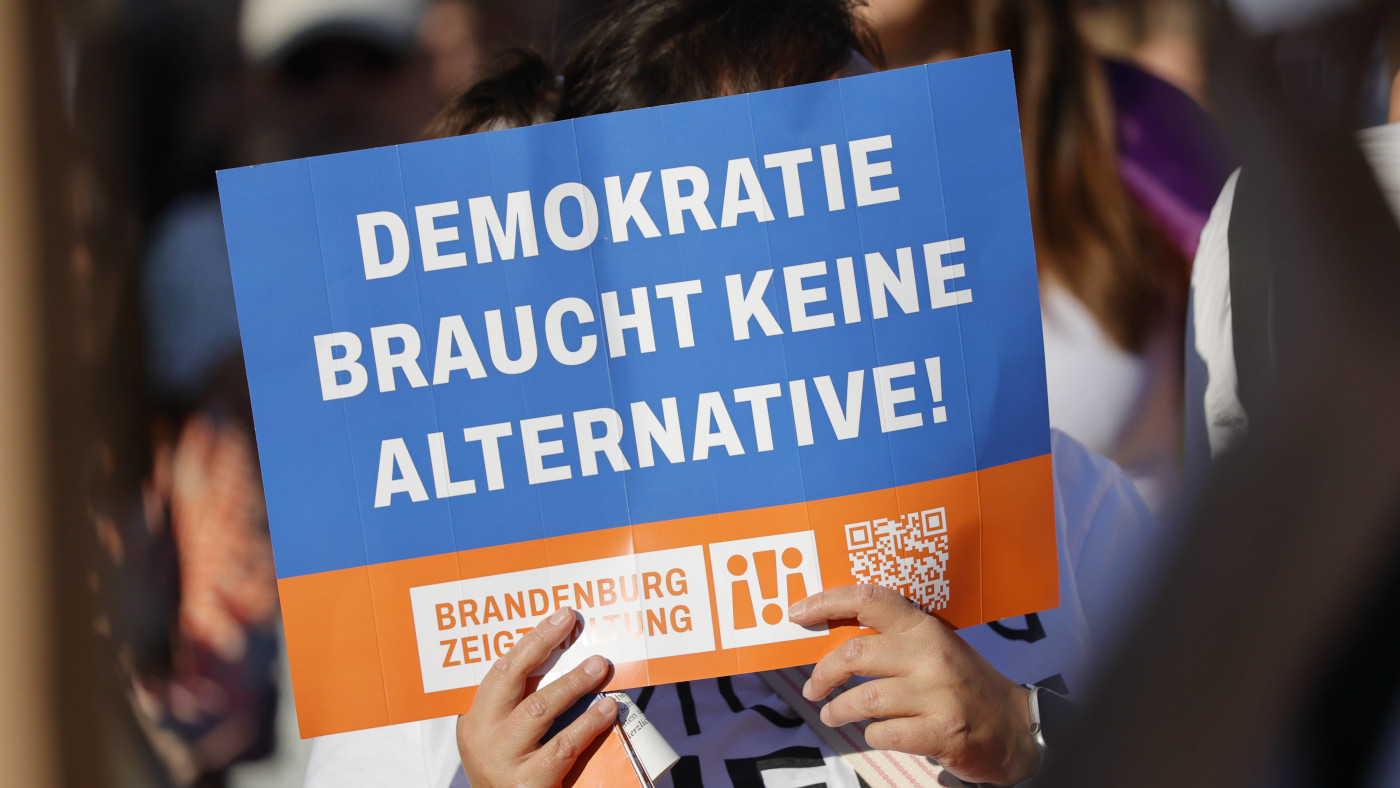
(1037, 734)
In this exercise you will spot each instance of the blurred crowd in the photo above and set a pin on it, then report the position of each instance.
(1125, 161)
(163, 94)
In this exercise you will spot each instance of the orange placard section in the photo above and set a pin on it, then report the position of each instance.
(394, 620)
(604, 764)
(1017, 576)
(979, 547)
(333, 651)
(958, 499)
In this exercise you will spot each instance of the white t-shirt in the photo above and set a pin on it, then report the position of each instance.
(735, 731)
(1215, 418)
(1125, 406)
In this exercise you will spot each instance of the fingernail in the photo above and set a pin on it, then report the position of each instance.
(606, 706)
(595, 666)
(561, 615)
(797, 609)
(826, 716)
(807, 690)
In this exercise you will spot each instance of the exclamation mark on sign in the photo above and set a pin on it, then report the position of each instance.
(765, 564)
(935, 380)
(796, 586)
(739, 589)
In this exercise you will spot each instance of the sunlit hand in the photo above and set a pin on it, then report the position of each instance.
(499, 738)
(934, 695)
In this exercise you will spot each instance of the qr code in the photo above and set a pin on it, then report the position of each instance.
(908, 554)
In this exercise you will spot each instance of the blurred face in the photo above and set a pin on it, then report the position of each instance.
(452, 37)
(913, 32)
(340, 94)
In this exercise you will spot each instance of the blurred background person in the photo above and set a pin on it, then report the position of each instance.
(161, 95)
(334, 75)
(523, 91)
(318, 76)
(183, 572)
(1122, 169)
(1162, 37)
(1231, 340)
(1268, 651)
(461, 37)
(186, 573)
(310, 77)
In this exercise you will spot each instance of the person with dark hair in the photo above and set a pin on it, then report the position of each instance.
(523, 92)
(954, 697)
(1122, 169)
(645, 54)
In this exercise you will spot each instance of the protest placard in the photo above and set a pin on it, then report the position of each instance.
(675, 368)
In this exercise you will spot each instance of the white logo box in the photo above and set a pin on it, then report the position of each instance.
(648, 605)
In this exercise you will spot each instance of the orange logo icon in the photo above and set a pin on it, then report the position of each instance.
(757, 580)
(765, 565)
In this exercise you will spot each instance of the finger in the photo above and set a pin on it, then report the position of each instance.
(548, 766)
(880, 700)
(533, 717)
(504, 684)
(963, 749)
(914, 735)
(873, 606)
(865, 655)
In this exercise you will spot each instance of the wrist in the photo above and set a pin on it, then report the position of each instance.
(1052, 717)
(1025, 755)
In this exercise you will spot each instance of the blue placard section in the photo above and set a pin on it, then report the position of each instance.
(700, 308)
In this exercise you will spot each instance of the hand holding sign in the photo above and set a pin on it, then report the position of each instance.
(499, 738)
(934, 695)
